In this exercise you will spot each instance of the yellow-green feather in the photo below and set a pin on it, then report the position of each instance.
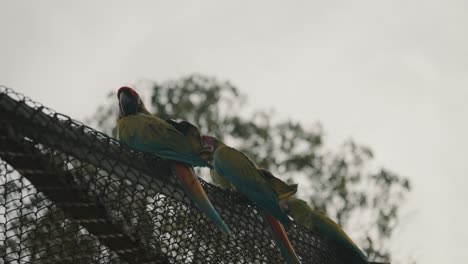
(151, 134)
(282, 189)
(319, 223)
(220, 181)
(240, 171)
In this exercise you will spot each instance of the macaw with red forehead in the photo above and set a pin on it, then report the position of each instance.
(145, 132)
(257, 185)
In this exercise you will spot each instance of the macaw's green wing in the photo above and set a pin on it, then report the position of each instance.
(152, 134)
(220, 181)
(244, 175)
(282, 240)
(319, 223)
(282, 189)
(334, 231)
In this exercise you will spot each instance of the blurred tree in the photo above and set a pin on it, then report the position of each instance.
(340, 183)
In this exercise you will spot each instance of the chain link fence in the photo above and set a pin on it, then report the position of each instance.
(70, 194)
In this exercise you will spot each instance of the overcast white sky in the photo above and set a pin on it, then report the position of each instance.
(391, 74)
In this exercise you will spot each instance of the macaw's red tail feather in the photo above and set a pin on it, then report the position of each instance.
(282, 240)
(197, 194)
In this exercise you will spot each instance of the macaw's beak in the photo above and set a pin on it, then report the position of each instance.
(198, 195)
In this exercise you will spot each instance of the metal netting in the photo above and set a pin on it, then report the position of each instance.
(70, 194)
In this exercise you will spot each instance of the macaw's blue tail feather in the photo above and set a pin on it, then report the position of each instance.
(197, 194)
(282, 240)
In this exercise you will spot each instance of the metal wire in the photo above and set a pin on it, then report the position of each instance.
(69, 194)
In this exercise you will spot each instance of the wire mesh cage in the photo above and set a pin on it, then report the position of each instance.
(70, 194)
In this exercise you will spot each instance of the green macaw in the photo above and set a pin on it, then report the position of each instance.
(248, 179)
(283, 191)
(139, 129)
(145, 132)
(319, 223)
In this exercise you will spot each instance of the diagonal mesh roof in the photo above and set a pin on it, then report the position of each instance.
(70, 194)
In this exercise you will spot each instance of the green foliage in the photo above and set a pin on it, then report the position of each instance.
(339, 183)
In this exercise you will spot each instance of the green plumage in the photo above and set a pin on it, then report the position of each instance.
(180, 142)
(220, 181)
(241, 172)
(319, 223)
(152, 134)
(282, 189)
(233, 168)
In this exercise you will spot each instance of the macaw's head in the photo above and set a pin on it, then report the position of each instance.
(130, 102)
(212, 142)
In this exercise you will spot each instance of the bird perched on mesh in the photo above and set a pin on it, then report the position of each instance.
(145, 132)
(247, 178)
(319, 223)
